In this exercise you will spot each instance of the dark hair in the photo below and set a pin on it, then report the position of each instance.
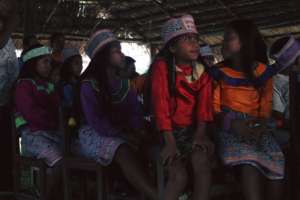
(98, 67)
(96, 70)
(168, 57)
(253, 47)
(27, 40)
(278, 44)
(129, 60)
(66, 69)
(54, 36)
(29, 68)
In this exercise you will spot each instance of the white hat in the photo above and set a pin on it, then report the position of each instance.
(206, 51)
(98, 40)
(178, 26)
(288, 53)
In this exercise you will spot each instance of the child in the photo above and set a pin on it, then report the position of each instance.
(8, 74)
(243, 100)
(111, 112)
(37, 113)
(70, 74)
(130, 69)
(284, 51)
(182, 103)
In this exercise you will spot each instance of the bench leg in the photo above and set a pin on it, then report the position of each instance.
(43, 182)
(100, 184)
(67, 185)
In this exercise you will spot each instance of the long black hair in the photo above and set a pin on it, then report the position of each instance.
(66, 72)
(28, 70)
(253, 47)
(169, 58)
(97, 70)
(278, 44)
(166, 55)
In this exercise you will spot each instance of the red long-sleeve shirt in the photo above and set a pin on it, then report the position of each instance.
(192, 102)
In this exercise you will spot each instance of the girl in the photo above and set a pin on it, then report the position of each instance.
(111, 112)
(37, 114)
(181, 98)
(70, 73)
(243, 101)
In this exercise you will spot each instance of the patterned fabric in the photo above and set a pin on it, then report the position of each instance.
(178, 26)
(9, 70)
(119, 95)
(46, 145)
(261, 152)
(98, 40)
(222, 72)
(184, 139)
(281, 94)
(97, 147)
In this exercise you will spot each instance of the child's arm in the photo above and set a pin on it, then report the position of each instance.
(204, 115)
(160, 97)
(169, 151)
(94, 112)
(160, 102)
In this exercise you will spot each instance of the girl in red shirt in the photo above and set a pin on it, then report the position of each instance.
(181, 94)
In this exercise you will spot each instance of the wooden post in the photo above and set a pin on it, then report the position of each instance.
(294, 164)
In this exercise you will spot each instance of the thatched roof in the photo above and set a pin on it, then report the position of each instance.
(141, 20)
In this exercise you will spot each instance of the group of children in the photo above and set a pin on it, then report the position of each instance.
(186, 94)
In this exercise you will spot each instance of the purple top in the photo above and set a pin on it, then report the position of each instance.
(125, 113)
(38, 103)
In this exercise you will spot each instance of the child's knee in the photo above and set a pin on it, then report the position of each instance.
(200, 161)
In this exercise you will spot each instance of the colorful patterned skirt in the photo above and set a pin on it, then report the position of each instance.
(261, 152)
(46, 145)
(94, 146)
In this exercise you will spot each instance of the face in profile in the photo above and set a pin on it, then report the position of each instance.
(231, 44)
(117, 58)
(43, 67)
